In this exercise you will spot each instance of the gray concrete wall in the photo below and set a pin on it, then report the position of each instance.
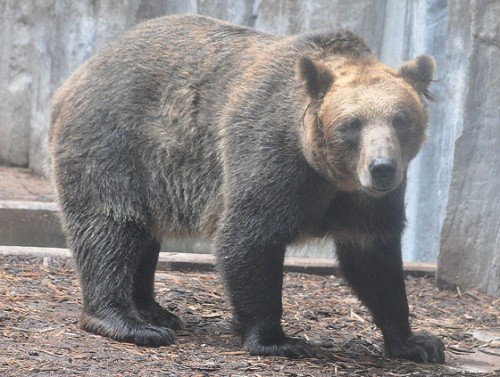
(42, 42)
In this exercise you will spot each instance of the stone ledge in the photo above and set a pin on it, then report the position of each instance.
(27, 223)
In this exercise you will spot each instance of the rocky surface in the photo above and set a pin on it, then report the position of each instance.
(470, 242)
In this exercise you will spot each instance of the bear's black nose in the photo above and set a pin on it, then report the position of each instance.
(382, 169)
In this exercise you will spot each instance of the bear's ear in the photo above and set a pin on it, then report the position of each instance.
(418, 73)
(316, 76)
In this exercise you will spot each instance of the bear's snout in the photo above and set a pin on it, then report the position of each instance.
(383, 171)
(380, 165)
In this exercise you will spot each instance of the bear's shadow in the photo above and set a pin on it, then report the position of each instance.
(217, 334)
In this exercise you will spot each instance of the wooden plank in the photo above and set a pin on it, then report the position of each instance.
(206, 262)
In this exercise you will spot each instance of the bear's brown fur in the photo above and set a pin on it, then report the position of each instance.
(189, 125)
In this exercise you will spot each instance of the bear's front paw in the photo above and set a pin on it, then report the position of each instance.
(289, 347)
(420, 348)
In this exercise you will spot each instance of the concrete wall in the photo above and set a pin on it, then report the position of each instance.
(41, 42)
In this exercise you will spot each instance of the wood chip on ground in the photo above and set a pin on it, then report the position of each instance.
(40, 304)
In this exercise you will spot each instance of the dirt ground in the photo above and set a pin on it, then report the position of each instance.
(40, 304)
(21, 184)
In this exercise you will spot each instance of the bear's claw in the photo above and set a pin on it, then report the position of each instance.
(292, 348)
(157, 315)
(127, 328)
(420, 348)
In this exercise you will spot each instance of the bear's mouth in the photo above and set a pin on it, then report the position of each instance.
(378, 188)
(378, 191)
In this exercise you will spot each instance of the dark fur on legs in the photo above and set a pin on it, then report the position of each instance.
(149, 308)
(373, 267)
(121, 305)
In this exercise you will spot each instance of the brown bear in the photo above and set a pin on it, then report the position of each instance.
(192, 126)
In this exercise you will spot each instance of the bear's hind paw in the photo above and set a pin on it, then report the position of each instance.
(159, 316)
(128, 329)
(292, 348)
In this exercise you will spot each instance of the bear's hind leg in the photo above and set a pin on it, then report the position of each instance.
(149, 308)
(108, 257)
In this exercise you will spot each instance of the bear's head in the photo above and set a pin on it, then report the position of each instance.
(364, 122)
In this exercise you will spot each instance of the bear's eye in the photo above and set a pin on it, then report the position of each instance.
(399, 122)
(350, 130)
(353, 125)
(404, 127)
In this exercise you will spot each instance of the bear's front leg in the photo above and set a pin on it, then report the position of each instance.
(374, 269)
(250, 254)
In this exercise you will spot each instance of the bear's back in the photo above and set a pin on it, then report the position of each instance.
(141, 112)
(159, 56)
